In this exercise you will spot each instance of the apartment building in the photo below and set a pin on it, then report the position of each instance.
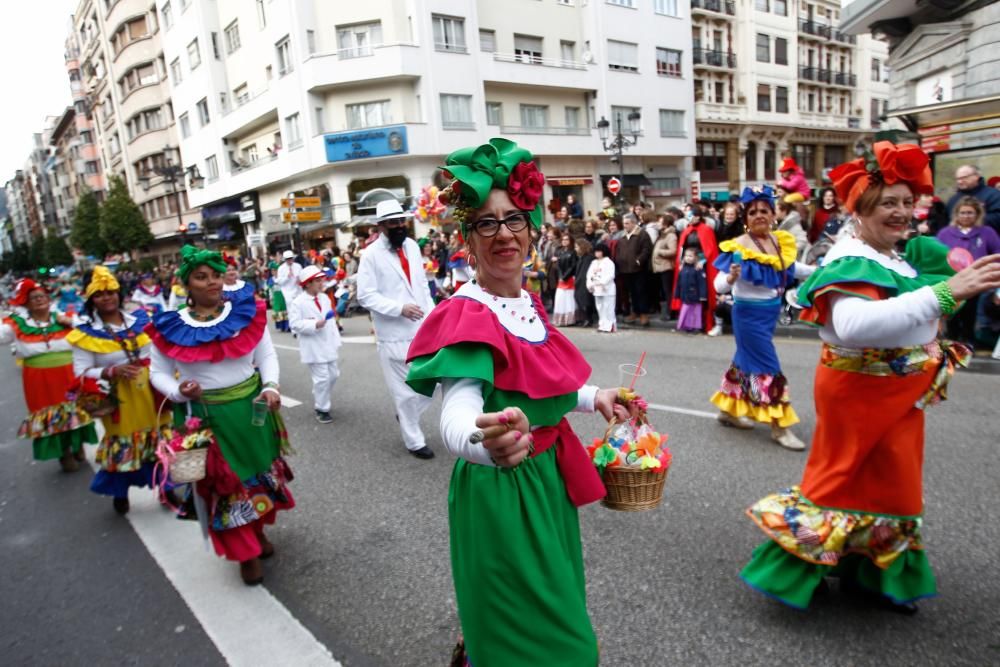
(356, 102)
(16, 210)
(774, 78)
(945, 92)
(83, 158)
(124, 76)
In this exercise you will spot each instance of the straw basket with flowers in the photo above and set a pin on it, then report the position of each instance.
(182, 451)
(633, 459)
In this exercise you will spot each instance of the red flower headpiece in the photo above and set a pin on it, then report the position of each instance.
(889, 164)
(22, 289)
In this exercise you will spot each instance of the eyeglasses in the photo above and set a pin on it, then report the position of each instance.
(487, 227)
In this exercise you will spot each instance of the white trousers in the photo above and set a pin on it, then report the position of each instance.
(409, 404)
(324, 376)
(605, 312)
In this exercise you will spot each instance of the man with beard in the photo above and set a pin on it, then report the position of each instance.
(391, 286)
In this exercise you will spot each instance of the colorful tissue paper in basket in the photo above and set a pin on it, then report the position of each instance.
(193, 436)
(629, 446)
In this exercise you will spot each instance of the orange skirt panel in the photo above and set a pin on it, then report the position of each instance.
(868, 447)
(44, 387)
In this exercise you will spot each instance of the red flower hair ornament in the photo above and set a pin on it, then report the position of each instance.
(889, 164)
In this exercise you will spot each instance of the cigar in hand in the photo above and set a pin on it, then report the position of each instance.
(487, 433)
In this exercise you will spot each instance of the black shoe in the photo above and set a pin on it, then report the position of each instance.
(424, 452)
(120, 505)
(323, 417)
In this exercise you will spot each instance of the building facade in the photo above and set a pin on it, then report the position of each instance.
(353, 103)
(945, 92)
(16, 209)
(124, 76)
(774, 78)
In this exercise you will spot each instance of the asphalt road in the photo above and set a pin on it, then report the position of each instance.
(363, 561)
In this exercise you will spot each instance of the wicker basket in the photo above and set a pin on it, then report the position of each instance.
(188, 466)
(632, 489)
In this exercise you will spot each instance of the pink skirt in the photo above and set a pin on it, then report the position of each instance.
(690, 317)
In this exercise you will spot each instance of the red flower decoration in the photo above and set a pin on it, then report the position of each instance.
(525, 186)
(905, 163)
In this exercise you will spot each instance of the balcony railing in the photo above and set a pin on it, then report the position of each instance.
(720, 6)
(528, 59)
(815, 74)
(846, 39)
(242, 99)
(534, 129)
(813, 28)
(845, 79)
(854, 123)
(713, 58)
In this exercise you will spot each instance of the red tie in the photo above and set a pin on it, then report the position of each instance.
(405, 263)
(318, 307)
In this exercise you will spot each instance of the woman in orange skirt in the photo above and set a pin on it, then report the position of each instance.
(857, 512)
(56, 426)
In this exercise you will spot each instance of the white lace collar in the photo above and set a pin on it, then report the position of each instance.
(227, 307)
(517, 315)
(855, 247)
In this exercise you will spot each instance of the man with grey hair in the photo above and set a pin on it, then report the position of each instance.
(970, 183)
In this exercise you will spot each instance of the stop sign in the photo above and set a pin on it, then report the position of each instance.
(614, 185)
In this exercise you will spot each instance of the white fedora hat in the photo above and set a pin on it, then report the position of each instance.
(309, 273)
(389, 209)
(288, 254)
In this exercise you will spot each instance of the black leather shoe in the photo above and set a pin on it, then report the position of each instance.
(424, 452)
(120, 505)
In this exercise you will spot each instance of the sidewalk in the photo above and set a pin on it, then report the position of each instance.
(982, 362)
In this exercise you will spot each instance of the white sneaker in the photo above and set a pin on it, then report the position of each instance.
(787, 439)
(727, 419)
(716, 330)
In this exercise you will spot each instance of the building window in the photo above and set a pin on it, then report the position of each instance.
(811, 101)
(671, 123)
(212, 168)
(166, 16)
(319, 119)
(876, 69)
(233, 37)
(293, 130)
(528, 49)
(781, 99)
(488, 41)
(140, 75)
(666, 7)
(310, 42)
(283, 49)
(215, 46)
(620, 115)
(805, 155)
(622, 3)
(494, 113)
(535, 116)
(456, 112)
(781, 7)
(355, 41)
(763, 48)
(568, 3)
(567, 52)
(762, 5)
(449, 33)
(720, 92)
(203, 116)
(241, 95)
(780, 51)
(623, 56)
(710, 160)
(194, 54)
(175, 71)
(834, 155)
(368, 114)
(573, 118)
(261, 16)
(185, 126)
(668, 62)
(763, 97)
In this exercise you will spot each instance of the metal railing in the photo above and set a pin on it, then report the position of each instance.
(720, 6)
(526, 59)
(813, 28)
(712, 58)
(532, 129)
(845, 79)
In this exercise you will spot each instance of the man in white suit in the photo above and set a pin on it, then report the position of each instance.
(311, 318)
(391, 286)
(287, 278)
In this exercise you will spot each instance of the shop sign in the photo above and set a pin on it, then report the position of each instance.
(361, 144)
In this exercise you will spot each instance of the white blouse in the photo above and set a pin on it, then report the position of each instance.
(90, 364)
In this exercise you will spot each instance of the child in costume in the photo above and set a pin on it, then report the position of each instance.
(692, 290)
(312, 318)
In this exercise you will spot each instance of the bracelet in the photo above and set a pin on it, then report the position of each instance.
(271, 384)
(272, 389)
(945, 298)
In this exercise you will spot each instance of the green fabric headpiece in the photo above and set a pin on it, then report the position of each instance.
(192, 258)
(498, 164)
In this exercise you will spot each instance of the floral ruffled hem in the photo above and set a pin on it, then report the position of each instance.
(762, 397)
(121, 453)
(259, 495)
(54, 420)
(823, 536)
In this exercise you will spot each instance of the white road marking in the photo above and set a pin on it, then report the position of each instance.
(289, 402)
(355, 340)
(682, 411)
(247, 624)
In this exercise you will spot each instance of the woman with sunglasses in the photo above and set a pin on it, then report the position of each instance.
(509, 378)
(56, 426)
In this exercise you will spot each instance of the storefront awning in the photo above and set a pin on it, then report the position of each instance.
(560, 181)
(628, 180)
(956, 111)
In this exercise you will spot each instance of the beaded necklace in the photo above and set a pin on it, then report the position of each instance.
(126, 339)
(526, 306)
(195, 315)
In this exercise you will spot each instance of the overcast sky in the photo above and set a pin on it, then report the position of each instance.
(34, 80)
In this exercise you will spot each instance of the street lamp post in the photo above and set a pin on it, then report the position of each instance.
(172, 174)
(619, 142)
